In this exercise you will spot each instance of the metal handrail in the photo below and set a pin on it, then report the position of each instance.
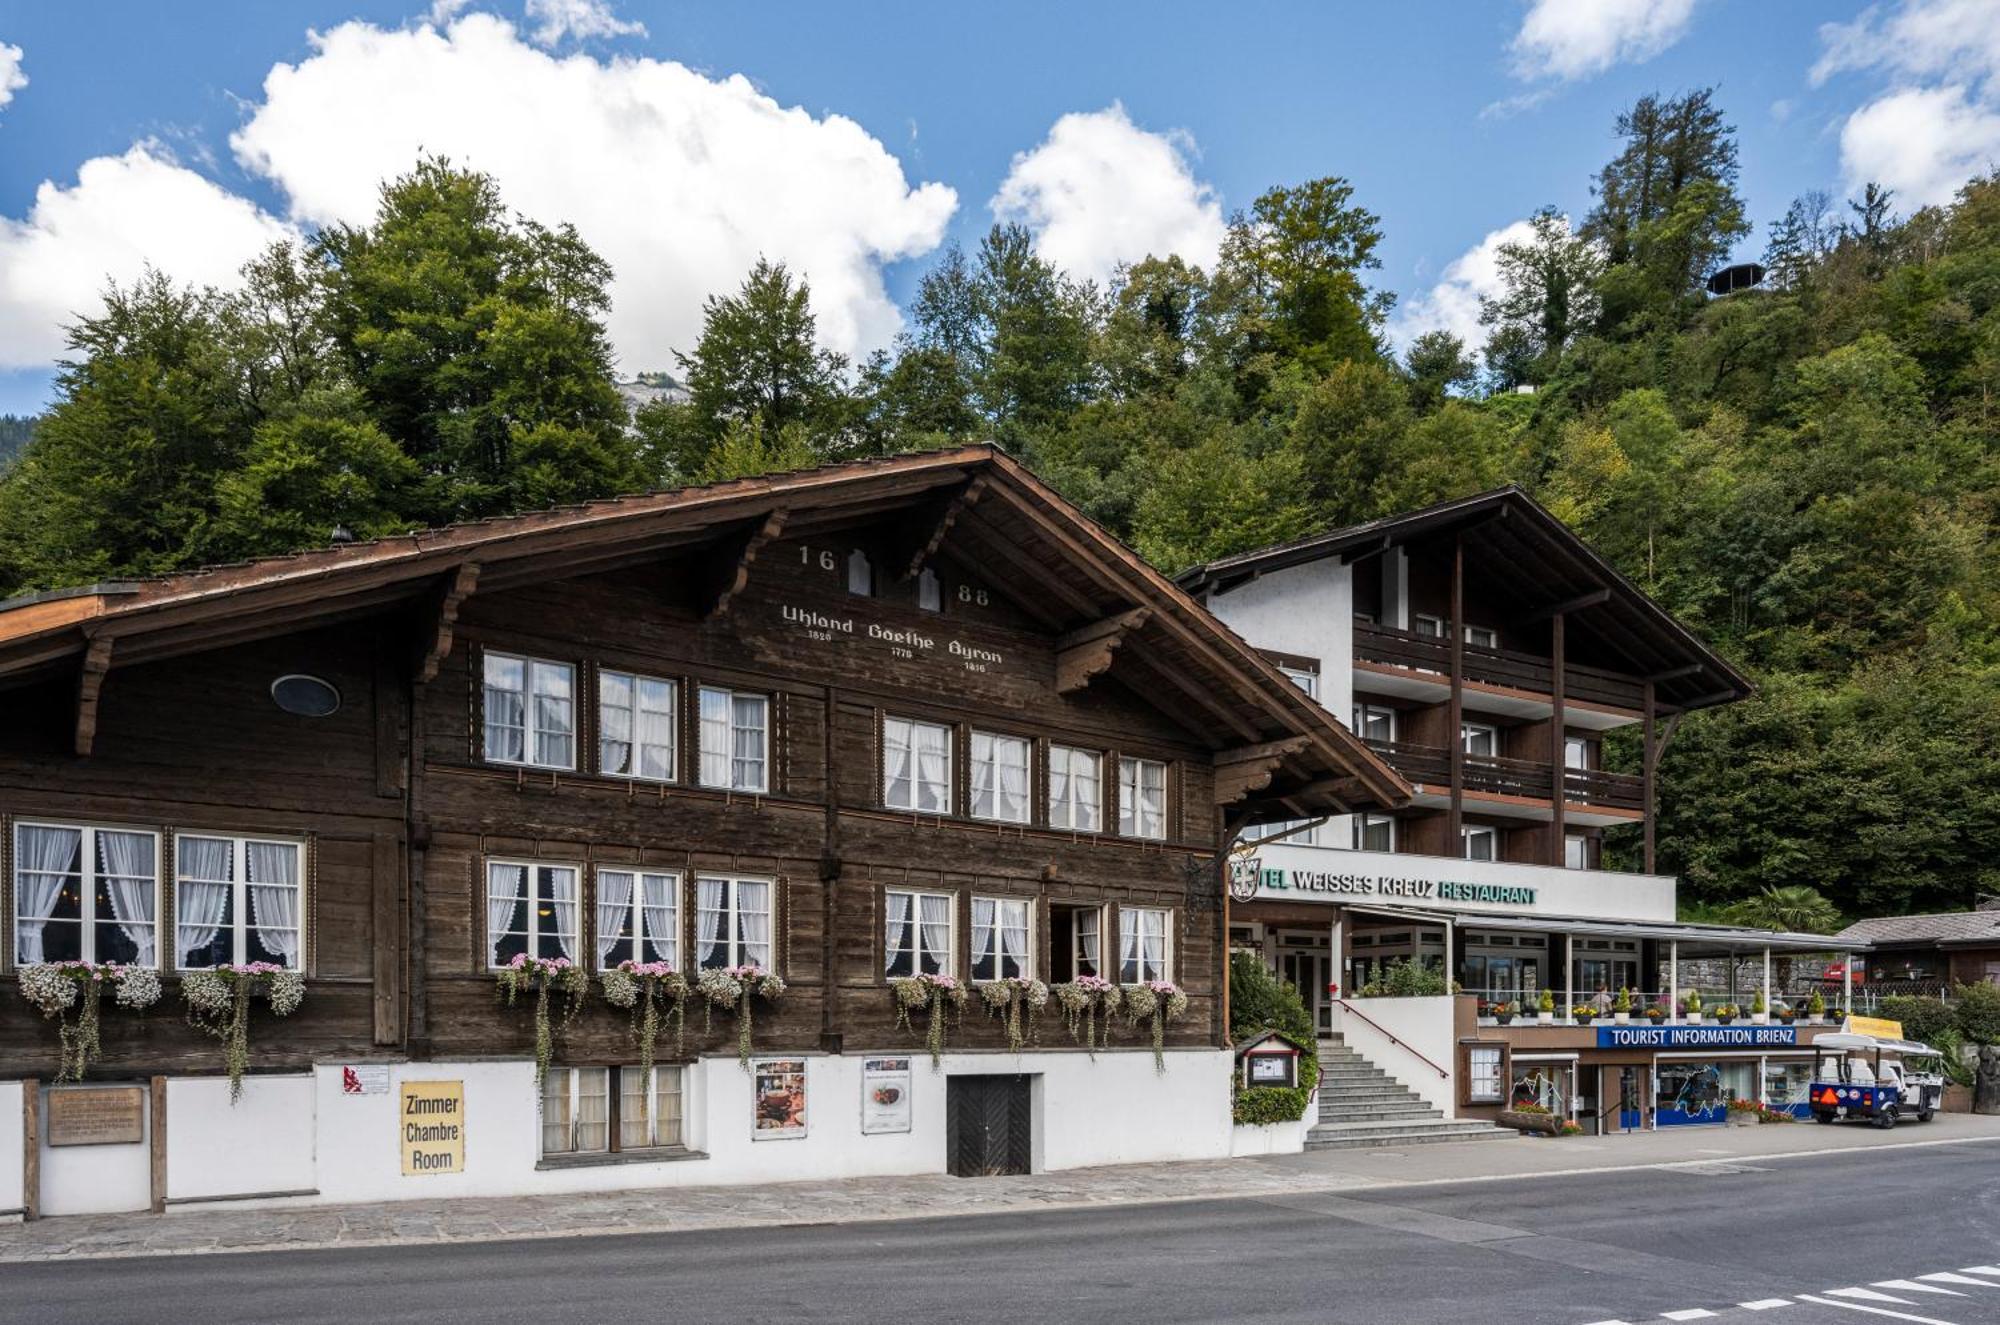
(1411, 1049)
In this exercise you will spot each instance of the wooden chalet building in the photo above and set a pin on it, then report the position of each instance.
(904, 716)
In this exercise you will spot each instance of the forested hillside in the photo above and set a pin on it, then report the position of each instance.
(1805, 471)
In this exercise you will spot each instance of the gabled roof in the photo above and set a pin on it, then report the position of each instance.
(1547, 565)
(1962, 928)
(972, 505)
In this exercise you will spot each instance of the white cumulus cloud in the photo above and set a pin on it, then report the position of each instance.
(122, 214)
(680, 180)
(12, 80)
(1921, 142)
(1453, 303)
(581, 19)
(1922, 39)
(1100, 191)
(1572, 39)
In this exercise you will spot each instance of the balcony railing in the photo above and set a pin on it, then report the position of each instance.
(1513, 777)
(1500, 667)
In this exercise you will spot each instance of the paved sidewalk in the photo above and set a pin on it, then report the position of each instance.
(224, 1228)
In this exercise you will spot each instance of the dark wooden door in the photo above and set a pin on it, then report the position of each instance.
(986, 1125)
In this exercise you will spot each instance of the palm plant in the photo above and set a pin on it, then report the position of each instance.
(1794, 909)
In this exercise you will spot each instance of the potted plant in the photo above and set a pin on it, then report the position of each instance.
(1691, 1006)
(1784, 1013)
(1545, 1010)
(1760, 1013)
(1657, 1013)
(1815, 1007)
(1504, 1012)
(1582, 1012)
(1745, 1113)
(1725, 1013)
(1621, 1006)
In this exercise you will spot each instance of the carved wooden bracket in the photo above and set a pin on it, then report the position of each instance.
(89, 681)
(1086, 652)
(735, 569)
(929, 535)
(463, 581)
(1249, 768)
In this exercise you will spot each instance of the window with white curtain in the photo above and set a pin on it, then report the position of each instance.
(1142, 798)
(86, 894)
(1143, 941)
(735, 740)
(1000, 766)
(917, 938)
(1000, 939)
(635, 726)
(530, 711)
(1076, 795)
(1087, 942)
(577, 1116)
(236, 900)
(732, 921)
(916, 766)
(532, 908)
(638, 917)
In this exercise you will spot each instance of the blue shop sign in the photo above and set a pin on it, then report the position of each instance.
(1696, 1037)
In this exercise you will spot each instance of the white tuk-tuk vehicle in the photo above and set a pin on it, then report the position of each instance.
(1868, 1077)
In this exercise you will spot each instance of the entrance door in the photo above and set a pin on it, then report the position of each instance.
(986, 1125)
(1633, 1083)
(1310, 971)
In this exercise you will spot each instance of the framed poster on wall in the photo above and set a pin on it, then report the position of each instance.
(777, 1098)
(885, 1095)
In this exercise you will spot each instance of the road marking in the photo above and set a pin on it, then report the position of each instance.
(1909, 1286)
(1946, 1277)
(1765, 1303)
(1980, 1269)
(1866, 1295)
(1692, 1313)
(1873, 1311)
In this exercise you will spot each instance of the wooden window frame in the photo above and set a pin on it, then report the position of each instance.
(673, 683)
(951, 943)
(1031, 960)
(240, 921)
(585, 905)
(1503, 1077)
(732, 693)
(10, 855)
(529, 662)
(950, 731)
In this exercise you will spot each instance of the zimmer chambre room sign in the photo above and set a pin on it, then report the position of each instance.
(430, 1127)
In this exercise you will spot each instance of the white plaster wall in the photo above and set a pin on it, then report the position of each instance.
(1115, 1109)
(1423, 1026)
(95, 1180)
(12, 1147)
(263, 1143)
(1274, 1138)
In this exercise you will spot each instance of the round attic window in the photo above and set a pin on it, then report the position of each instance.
(305, 696)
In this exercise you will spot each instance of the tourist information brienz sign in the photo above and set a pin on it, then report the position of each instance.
(1696, 1037)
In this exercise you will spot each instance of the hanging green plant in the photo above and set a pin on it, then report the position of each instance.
(643, 988)
(57, 987)
(937, 992)
(218, 1004)
(1156, 1002)
(543, 976)
(1017, 1001)
(1086, 1001)
(734, 987)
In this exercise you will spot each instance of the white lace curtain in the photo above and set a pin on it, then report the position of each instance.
(1011, 759)
(934, 924)
(933, 768)
(563, 902)
(48, 856)
(614, 720)
(896, 932)
(1014, 938)
(746, 714)
(273, 880)
(712, 922)
(207, 873)
(898, 766)
(660, 904)
(125, 866)
(504, 887)
(753, 918)
(1128, 946)
(984, 965)
(614, 910)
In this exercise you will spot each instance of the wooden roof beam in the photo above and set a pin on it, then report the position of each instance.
(1249, 768)
(451, 597)
(1568, 605)
(734, 571)
(1086, 652)
(89, 685)
(929, 534)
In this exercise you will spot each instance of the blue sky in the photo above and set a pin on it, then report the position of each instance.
(866, 136)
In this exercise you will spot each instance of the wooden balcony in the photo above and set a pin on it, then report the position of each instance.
(1521, 778)
(1497, 667)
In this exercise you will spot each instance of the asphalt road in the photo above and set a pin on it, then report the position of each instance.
(1631, 1246)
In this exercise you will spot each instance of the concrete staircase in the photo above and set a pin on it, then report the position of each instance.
(1361, 1105)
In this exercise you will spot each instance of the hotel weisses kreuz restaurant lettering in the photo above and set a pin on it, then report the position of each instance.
(862, 820)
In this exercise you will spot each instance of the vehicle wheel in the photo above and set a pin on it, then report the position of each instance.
(1822, 1117)
(1886, 1119)
(1924, 1116)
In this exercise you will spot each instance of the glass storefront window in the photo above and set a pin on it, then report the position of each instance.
(1699, 1092)
(1786, 1084)
(1545, 1084)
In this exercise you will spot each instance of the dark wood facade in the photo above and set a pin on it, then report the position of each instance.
(150, 705)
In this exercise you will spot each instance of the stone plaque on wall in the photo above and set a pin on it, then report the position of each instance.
(99, 1117)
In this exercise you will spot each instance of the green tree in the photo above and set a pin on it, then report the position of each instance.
(1548, 297)
(759, 358)
(1297, 260)
(1437, 365)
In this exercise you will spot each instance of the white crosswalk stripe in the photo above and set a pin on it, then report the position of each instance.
(1765, 1303)
(1860, 1299)
(1867, 1295)
(1947, 1277)
(1911, 1286)
(1873, 1311)
(1692, 1313)
(1980, 1269)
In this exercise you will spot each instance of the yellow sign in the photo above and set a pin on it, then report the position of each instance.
(431, 1122)
(1876, 1026)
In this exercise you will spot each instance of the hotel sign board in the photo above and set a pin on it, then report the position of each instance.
(1407, 886)
(1284, 872)
(1696, 1037)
